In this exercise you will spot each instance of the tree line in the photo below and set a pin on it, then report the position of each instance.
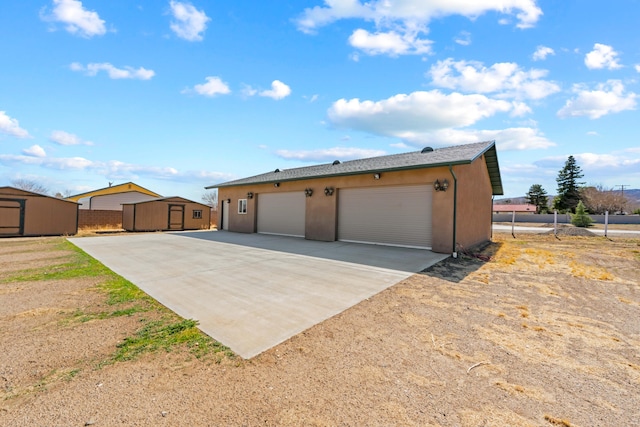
(574, 195)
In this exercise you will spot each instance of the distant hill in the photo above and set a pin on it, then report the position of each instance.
(633, 196)
(511, 201)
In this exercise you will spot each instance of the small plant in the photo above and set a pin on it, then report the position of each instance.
(581, 218)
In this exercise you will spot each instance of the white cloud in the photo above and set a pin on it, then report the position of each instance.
(61, 137)
(637, 67)
(542, 52)
(506, 79)
(60, 163)
(278, 90)
(189, 23)
(606, 98)
(437, 119)
(408, 116)
(248, 90)
(113, 72)
(398, 24)
(77, 19)
(329, 154)
(214, 86)
(113, 169)
(35, 151)
(11, 126)
(464, 38)
(522, 138)
(390, 43)
(602, 56)
(414, 11)
(605, 165)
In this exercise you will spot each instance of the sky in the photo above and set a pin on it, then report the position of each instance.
(176, 95)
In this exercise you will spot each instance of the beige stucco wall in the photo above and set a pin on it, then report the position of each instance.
(474, 204)
(321, 210)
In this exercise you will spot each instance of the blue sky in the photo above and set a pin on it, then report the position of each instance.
(177, 95)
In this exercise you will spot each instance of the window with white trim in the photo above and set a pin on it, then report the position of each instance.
(242, 206)
(197, 214)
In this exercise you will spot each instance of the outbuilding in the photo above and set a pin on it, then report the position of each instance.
(24, 213)
(165, 214)
(102, 208)
(433, 199)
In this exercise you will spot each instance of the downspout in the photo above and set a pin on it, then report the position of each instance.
(491, 217)
(455, 210)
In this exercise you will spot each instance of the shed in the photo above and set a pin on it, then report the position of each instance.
(24, 213)
(102, 208)
(432, 199)
(166, 214)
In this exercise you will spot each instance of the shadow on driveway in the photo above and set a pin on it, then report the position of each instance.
(391, 257)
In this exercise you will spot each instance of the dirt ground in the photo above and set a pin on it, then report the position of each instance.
(545, 333)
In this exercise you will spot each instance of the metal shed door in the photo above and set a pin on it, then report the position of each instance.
(176, 217)
(281, 213)
(12, 217)
(396, 216)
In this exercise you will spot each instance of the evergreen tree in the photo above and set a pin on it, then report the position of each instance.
(538, 196)
(568, 186)
(581, 218)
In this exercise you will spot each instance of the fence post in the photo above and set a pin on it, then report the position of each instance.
(606, 222)
(513, 224)
(555, 223)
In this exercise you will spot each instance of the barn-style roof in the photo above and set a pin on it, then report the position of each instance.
(426, 158)
(114, 189)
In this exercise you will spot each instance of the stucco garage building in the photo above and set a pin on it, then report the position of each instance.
(24, 213)
(434, 199)
(165, 214)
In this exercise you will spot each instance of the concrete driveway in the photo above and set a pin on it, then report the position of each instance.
(253, 291)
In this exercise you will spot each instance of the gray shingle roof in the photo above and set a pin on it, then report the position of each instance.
(456, 155)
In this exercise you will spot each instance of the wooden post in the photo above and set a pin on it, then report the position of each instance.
(555, 223)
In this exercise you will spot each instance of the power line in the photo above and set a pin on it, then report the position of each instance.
(622, 188)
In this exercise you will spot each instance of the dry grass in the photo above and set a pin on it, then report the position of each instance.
(546, 333)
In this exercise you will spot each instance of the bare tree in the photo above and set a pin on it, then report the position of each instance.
(598, 199)
(211, 198)
(63, 194)
(27, 185)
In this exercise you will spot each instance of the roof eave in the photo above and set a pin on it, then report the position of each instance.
(333, 175)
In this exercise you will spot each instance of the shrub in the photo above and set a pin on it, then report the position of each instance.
(581, 218)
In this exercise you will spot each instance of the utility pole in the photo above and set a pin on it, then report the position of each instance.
(623, 199)
(622, 188)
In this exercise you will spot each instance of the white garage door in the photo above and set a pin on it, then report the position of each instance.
(281, 213)
(398, 216)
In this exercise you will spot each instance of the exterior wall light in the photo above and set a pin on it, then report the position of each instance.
(441, 186)
(308, 192)
(376, 176)
(277, 184)
(249, 195)
(328, 191)
(228, 200)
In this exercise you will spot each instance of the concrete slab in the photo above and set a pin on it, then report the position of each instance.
(253, 291)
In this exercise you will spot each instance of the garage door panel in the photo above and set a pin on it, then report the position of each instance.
(386, 215)
(282, 213)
